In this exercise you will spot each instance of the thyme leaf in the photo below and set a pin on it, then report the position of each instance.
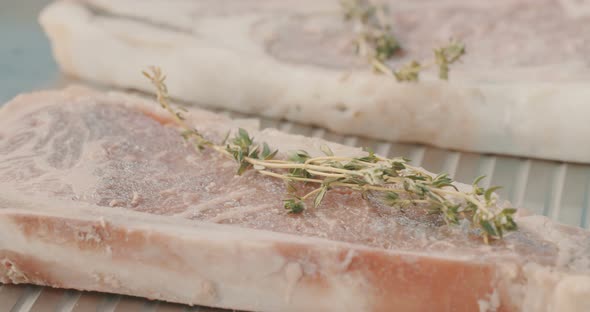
(326, 150)
(320, 196)
(408, 72)
(294, 206)
(447, 55)
(488, 193)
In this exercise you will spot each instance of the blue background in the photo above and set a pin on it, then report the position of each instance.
(26, 62)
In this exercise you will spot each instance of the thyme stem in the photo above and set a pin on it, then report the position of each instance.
(304, 166)
(287, 178)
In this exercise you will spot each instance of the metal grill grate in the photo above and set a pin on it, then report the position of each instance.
(559, 190)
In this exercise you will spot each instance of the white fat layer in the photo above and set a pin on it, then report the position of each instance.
(239, 264)
(293, 273)
(491, 304)
(562, 287)
(547, 290)
(573, 251)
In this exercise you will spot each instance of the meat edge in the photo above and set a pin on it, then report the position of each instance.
(75, 245)
(229, 268)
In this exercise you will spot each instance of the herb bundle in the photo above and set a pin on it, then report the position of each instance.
(375, 41)
(394, 180)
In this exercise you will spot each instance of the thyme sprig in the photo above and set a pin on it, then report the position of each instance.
(375, 41)
(373, 34)
(443, 58)
(393, 180)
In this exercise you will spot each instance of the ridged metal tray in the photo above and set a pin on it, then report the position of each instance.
(558, 190)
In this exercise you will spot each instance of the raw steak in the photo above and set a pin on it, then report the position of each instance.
(99, 192)
(521, 89)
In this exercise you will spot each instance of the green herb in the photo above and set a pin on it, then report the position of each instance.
(408, 72)
(398, 183)
(294, 206)
(447, 55)
(374, 37)
(375, 41)
(443, 57)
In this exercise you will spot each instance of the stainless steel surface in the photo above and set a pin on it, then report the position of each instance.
(559, 190)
